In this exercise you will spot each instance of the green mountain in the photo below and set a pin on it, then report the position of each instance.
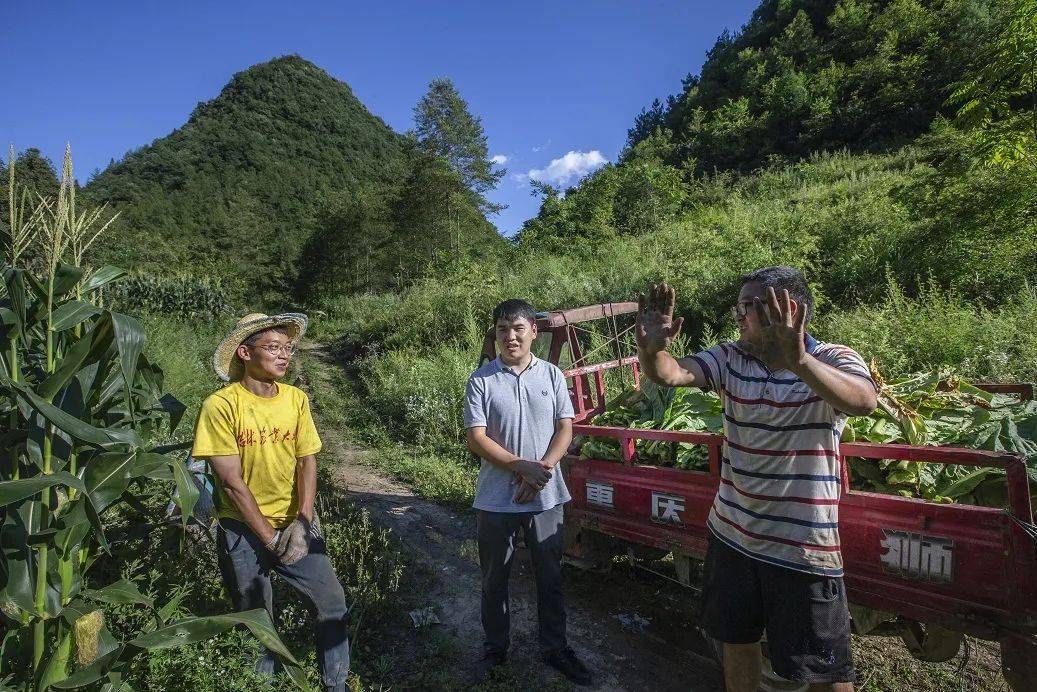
(802, 77)
(239, 189)
(821, 136)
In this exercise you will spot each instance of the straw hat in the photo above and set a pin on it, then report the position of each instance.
(225, 360)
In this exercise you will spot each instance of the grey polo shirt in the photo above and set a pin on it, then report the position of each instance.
(519, 414)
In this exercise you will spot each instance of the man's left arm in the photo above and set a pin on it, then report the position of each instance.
(560, 441)
(564, 414)
(306, 485)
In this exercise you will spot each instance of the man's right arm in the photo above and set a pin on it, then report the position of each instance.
(662, 368)
(228, 471)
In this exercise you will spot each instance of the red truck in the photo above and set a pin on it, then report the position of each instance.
(943, 570)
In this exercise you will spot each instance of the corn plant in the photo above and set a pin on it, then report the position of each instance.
(81, 410)
(184, 296)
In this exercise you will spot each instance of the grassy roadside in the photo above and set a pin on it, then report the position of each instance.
(445, 478)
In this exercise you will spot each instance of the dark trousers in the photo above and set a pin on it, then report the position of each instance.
(247, 565)
(543, 535)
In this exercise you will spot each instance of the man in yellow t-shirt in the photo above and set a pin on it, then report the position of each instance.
(260, 440)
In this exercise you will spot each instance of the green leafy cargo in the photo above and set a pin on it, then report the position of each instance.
(659, 408)
(932, 408)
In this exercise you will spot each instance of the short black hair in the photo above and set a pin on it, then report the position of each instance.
(514, 308)
(253, 339)
(782, 277)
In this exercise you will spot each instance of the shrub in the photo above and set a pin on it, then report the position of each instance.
(419, 394)
(940, 329)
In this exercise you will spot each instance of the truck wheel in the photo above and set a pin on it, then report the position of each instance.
(1019, 662)
(645, 552)
(588, 549)
(928, 642)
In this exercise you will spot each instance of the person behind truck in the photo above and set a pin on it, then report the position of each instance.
(260, 440)
(773, 563)
(518, 417)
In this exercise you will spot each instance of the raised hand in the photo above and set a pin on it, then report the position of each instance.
(656, 329)
(781, 333)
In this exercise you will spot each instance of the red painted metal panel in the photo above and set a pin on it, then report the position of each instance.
(994, 565)
(992, 584)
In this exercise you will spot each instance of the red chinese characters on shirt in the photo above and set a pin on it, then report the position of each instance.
(249, 437)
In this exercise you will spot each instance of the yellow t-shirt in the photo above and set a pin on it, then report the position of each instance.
(269, 434)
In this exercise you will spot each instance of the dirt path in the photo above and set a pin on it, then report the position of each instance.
(633, 629)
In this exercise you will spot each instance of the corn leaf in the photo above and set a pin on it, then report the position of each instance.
(71, 313)
(121, 592)
(65, 278)
(15, 491)
(88, 349)
(91, 673)
(129, 338)
(102, 277)
(106, 476)
(195, 629)
(56, 667)
(187, 491)
(14, 281)
(78, 429)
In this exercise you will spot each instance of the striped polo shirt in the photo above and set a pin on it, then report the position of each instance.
(780, 480)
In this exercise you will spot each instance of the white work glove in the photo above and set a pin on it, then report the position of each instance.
(291, 544)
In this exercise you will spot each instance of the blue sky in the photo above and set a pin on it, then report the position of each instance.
(556, 84)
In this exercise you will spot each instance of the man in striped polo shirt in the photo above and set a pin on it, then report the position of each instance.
(773, 562)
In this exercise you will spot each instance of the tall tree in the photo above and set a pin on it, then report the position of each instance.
(999, 102)
(35, 173)
(434, 216)
(447, 129)
(349, 253)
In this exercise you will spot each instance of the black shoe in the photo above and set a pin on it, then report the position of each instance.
(490, 662)
(566, 663)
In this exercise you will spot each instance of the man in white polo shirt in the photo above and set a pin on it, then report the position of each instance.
(774, 561)
(519, 420)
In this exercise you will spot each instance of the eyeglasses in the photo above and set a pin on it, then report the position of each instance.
(741, 309)
(275, 350)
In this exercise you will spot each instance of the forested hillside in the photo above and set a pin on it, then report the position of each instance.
(809, 75)
(837, 119)
(269, 171)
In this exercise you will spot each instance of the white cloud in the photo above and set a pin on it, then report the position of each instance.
(499, 159)
(560, 172)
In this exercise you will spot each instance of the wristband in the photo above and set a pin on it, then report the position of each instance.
(273, 541)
